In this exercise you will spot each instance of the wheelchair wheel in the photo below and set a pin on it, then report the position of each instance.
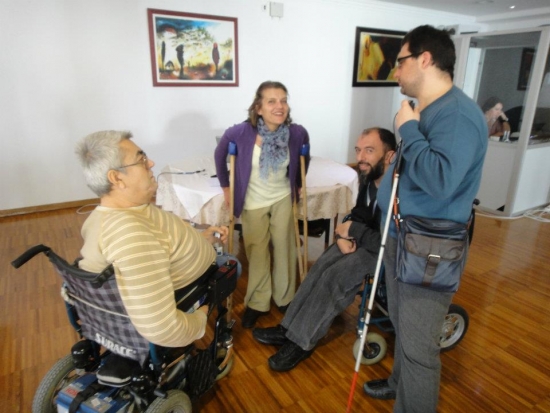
(221, 356)
(59, 376)
(454, 327)
(176, 402)
(374, 350)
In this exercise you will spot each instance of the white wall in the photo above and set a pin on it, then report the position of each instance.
(534, 181)
(72, 67)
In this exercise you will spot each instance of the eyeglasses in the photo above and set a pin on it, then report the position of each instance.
(143, 161)
(400, 59)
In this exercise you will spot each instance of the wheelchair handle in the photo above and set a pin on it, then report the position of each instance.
(30, 253)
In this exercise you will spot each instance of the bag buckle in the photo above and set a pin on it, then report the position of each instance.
(434, 259)
(431, 264)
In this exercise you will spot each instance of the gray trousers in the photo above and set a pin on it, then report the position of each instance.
(417, 315)
(328, 289)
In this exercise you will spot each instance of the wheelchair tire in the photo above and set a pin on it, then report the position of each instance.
(176, 401)
(454, 327)
(375, 352)
(58, 377)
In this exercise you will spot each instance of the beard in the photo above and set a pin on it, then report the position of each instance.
(375, 172)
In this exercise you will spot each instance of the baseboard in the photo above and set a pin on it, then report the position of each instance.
(49, 207)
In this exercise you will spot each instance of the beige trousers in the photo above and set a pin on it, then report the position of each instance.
(260, 226)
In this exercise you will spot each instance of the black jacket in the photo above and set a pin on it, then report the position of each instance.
(365, 226)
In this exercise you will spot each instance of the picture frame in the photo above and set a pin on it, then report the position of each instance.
(189, 49)
(375, 56)
(527, 57)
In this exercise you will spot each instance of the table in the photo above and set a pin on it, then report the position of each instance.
(190, 190)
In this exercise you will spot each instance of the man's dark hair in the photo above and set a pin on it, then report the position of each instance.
(437, 42)
(387, 137)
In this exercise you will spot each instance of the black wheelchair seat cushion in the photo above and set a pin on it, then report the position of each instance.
(117, 371)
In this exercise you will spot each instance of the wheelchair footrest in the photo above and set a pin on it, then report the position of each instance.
(202, 374)
(117, 371)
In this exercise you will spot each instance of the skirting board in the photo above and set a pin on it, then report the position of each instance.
(49, 207)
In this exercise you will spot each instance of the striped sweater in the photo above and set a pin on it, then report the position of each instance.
(154, 253)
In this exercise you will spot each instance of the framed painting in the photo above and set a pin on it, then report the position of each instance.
(375, 56)
(190, 49)
(527, 56)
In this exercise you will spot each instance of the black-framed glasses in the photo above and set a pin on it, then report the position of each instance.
(400, 59)
(143, 161)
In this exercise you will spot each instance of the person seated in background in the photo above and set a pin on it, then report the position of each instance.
(497, 122)
(334, 279)
(153, 252)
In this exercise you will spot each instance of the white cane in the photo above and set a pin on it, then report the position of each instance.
(376, 276)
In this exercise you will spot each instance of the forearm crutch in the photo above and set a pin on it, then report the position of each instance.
(376, 276)
(232, 149)
(297, 233)
(304, 152)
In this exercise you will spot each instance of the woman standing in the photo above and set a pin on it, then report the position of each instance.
(267, 180)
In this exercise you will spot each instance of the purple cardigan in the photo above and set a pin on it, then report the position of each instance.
(244, 136)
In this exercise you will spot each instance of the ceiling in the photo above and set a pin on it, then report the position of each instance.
(482, 8)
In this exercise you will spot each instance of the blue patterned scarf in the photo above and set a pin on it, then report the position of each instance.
(274, 148)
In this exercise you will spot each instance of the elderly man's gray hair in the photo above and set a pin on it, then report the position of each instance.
(100, 152)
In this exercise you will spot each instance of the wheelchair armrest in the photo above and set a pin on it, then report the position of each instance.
(187, 296)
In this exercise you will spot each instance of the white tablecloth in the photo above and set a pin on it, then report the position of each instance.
(188, 190)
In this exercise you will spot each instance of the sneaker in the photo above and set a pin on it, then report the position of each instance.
(250, 317)
(288, 357)
(273, 336)
(379, 389)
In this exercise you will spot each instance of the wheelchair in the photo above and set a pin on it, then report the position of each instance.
(112, 368)
(453, 330)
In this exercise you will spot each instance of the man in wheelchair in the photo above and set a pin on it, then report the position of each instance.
(153, 252)
(139, 296)
(334, 279)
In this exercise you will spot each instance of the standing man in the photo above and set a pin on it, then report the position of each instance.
(334, 279)
(445, 140)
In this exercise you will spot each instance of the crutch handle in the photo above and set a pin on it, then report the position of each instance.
(305, 150)
(232, 149)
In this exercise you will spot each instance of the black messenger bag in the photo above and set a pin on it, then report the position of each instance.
(431, 253)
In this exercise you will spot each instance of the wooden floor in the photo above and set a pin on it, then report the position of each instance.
(502, 365)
